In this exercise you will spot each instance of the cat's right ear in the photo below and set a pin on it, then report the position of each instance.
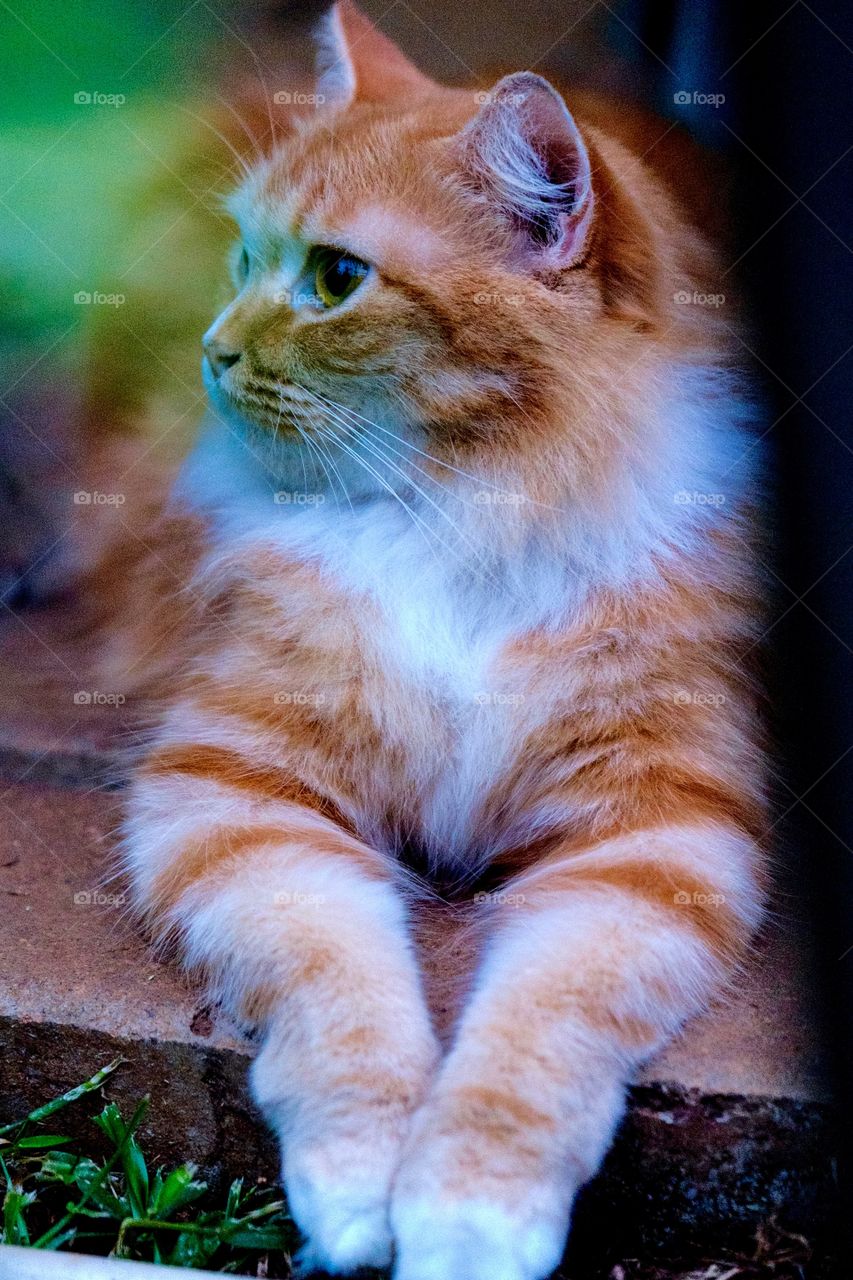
(356, 62)
(524, 151)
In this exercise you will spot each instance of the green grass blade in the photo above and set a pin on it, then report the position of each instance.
(50, 1108)
(41, 1141)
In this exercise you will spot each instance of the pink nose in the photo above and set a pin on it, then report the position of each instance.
(219, 356)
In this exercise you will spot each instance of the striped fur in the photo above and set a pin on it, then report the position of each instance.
(489, 639)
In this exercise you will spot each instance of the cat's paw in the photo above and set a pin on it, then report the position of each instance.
(473, 1239)
(342, 1214)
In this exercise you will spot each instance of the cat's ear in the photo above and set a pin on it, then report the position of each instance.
(525, 152)
(356, 62)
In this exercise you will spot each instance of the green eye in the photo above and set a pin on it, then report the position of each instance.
(336, 274)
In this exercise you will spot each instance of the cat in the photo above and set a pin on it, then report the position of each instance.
(480, 503)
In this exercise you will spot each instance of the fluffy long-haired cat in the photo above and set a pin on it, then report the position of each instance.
(477, 491)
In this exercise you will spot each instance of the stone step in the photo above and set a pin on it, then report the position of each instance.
(37, 1264)
(729, 1128)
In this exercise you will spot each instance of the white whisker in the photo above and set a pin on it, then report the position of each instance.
(382, 457)
(467, 475)
(420, 524)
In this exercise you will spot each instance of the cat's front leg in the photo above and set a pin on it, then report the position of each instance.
(304, 934)
(594, 961)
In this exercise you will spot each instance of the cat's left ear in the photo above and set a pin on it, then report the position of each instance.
(526, 153)
(356, 62)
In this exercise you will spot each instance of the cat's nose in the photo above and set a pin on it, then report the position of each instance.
(220, 355)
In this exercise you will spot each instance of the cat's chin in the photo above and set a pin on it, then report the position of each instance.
(264, 428)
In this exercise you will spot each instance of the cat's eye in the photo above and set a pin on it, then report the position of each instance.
(335, 274)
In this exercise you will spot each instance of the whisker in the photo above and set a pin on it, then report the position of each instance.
(421, 525)
(315, 447)
(454, 551)
(320, 444)
(226, 142)
(364, 428)
(468, 475)
(250, 134)
(382, 457)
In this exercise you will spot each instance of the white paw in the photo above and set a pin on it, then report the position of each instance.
(473, 1240)
(345, 1221)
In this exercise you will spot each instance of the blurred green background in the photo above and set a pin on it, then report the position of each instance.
(67, 165)
(117, 126)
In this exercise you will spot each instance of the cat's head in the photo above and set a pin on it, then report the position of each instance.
(433, 269)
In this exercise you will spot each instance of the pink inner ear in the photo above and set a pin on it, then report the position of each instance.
(531, 156)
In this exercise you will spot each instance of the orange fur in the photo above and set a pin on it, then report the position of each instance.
(558, 712)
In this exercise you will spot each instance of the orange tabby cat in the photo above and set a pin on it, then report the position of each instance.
(478, 487)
